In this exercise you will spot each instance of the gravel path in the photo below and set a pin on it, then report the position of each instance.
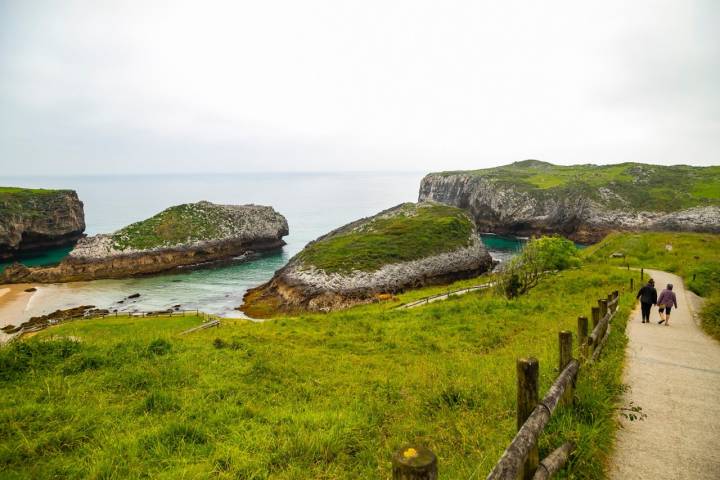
(674, 375)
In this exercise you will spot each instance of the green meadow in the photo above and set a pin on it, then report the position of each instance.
(319, 396)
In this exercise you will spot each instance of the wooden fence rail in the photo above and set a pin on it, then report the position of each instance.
(520, 459)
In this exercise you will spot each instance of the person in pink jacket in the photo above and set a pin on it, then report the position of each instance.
(666, 302)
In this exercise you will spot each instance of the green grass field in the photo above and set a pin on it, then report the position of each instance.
(632, 185)
(319, 396)
(693, 256)
(417, 231)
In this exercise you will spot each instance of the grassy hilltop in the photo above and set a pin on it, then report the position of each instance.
(627, 185)
(412, 231)
(28, 202)
(184, 223)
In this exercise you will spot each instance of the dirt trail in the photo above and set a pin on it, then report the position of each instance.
(674, 375)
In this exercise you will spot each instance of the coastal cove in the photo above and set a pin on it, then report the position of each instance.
(313, 204)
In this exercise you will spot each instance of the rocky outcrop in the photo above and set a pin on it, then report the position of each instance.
(576, 209)
(211, 233)
(302, 286)
(32, 220)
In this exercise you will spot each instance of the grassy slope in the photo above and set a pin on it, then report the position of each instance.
(178, 224)
(664, 188)
(321, 396)
(694, 256)
(14, 200)
(416, 233)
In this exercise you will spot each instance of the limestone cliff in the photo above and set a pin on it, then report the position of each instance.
(34, 220)
(183, 235)
(582, 202)
(408, 246)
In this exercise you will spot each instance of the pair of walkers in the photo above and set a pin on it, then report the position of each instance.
(648, 297)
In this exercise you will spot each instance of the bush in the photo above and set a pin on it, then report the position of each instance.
(539, 255)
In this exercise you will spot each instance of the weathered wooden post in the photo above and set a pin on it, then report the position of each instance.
(582, 336)
(632, 285)
(528, 397)
(603, 307)
(414, 462)
(642, 273)
(595, 316)
(566, 346)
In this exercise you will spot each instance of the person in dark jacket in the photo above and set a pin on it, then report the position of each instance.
(648, 298)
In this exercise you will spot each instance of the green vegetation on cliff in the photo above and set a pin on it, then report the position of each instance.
(625, 186)
(693, 256)
(26, 201)
(179, 224)
(408, 232)
(319, 396)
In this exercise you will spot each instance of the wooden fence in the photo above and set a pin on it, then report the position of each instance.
(521, 458)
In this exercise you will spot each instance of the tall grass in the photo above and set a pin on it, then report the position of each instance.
(319, 396)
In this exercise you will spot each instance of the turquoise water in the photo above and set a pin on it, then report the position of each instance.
(48, 257)
(313, 204)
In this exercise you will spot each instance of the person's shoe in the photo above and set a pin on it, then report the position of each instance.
(660, 322)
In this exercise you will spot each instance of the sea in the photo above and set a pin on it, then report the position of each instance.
(313, 203)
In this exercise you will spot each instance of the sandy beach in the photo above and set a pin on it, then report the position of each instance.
(13, 303)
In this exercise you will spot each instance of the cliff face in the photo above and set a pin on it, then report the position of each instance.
(180, 236)
(342, 269)
(33, 220)
(583, 203)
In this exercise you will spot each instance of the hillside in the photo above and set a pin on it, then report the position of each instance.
(407, 246)
(318, 396)
(35, 219)
(584, 202)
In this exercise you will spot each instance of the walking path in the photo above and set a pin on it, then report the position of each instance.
(674, 375)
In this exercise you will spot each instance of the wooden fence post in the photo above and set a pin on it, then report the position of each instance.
(642, 273)
(566, 354)
(595, 316)
(582, 336)
(414, 462)
(528, 397)
(632, 286)
(603, 307)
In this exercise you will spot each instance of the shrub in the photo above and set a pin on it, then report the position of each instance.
(539, 255)
(219, 343)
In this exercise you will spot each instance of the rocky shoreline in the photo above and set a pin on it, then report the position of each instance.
(244, 229)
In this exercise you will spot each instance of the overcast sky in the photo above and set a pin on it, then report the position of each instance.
(151, 86)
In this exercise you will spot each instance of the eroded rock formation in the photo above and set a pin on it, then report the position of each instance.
(185, 235)
(35, 220)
